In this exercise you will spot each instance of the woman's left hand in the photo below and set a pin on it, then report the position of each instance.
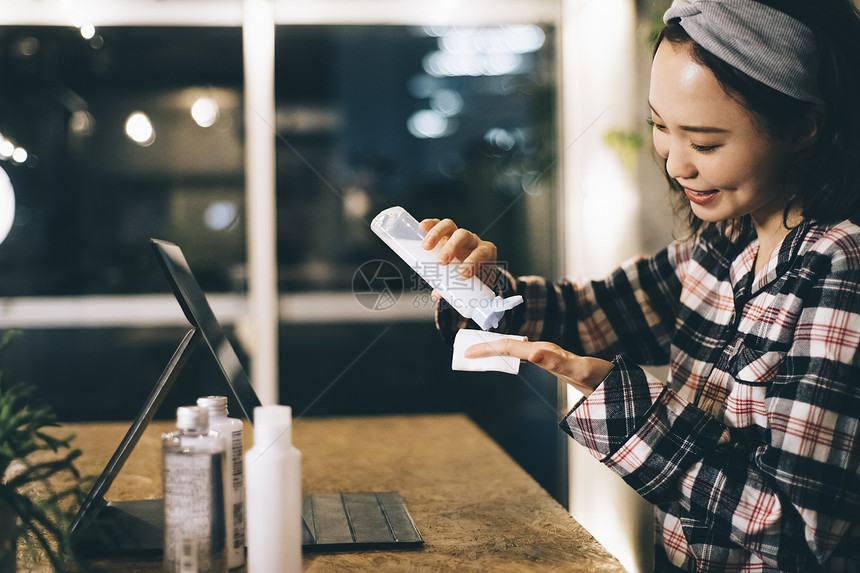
(582, 372)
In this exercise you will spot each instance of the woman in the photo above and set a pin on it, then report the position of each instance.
(750, 451)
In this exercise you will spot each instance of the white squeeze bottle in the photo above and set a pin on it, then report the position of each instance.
(273, 494)
(231, 431)
(470, 297)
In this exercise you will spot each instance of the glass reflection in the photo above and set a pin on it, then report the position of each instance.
(89, 196)
(364, 123)
(361, 125)
(7, 205)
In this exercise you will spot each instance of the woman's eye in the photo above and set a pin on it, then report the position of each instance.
(657, 126)
(704, 148)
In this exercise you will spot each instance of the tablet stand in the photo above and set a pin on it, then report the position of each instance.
(124, 527)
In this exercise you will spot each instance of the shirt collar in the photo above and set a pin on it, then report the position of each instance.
(778, 263)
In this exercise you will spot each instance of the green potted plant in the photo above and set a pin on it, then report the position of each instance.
(38, 479)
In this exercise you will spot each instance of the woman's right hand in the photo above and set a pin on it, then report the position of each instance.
(458, 244)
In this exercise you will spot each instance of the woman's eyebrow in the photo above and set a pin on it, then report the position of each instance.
(703, 129)
(694, 128)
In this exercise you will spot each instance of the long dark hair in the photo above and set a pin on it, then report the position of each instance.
(828, 189)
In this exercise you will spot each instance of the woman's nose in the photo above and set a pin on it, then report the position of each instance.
(679, 164)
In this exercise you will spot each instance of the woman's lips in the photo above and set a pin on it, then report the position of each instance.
(701, 197)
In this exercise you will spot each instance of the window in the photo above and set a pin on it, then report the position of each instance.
(444, 121)
(116, 156)
(135, 128)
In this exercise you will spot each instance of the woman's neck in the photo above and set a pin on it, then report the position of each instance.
(770, 234)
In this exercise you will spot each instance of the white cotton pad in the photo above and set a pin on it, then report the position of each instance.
(466, 338)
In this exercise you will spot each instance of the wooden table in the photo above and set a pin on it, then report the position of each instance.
(475, 507)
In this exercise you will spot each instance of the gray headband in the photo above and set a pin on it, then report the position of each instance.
(764, 43)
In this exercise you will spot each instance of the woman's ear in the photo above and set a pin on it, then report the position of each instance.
(809, 128)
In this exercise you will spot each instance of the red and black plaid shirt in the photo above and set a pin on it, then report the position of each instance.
(750, 451)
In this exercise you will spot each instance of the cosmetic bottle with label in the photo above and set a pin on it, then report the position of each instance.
(470, 297)
(274, 494)
(193, 482)
(230, 429)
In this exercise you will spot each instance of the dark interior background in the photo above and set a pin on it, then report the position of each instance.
(89, 199)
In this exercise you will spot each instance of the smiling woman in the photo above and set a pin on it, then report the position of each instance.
(747, 449)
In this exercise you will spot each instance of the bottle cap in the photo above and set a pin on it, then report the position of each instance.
(192, 418)
(217, 405)
(273, 426)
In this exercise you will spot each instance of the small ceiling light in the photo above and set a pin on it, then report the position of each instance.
(447, 102)
(88, 31)
(205, 111)
(221, 215)
(428, 124)
(81, 122)
(28, 46)
(500, 139)
(19, 155)
(139, 129)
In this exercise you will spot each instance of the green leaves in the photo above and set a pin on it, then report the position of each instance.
(626, 144)
(39, 479)
(20, 424)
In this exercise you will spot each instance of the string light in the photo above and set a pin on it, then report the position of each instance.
(481, 51)
(8, 150)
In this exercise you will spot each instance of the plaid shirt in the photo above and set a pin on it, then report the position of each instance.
(750, 451)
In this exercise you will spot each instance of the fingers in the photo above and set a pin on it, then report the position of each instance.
(483, 254)
(521, 349)
(427, 224)
(436, 231)
(584, 373)
(548, 356)
(457, 245)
